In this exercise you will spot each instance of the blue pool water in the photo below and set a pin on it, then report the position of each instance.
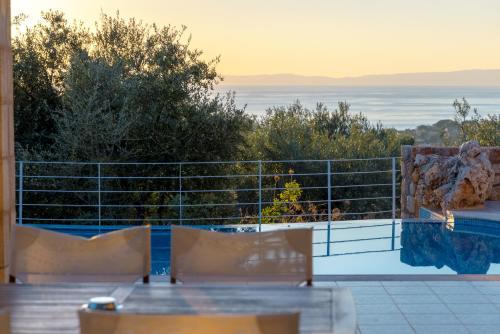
(366, 247)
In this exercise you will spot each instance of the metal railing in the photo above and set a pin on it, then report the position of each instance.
(228, 192)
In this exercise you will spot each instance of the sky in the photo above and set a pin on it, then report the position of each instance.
(335, 38)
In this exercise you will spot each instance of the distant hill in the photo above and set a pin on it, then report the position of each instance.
(456, 78)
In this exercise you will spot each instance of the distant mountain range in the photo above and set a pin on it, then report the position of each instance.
(456, 78)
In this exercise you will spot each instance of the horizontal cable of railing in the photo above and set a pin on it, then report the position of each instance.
(365, 252)
(202, 162)
(200, 205)
(193, 219)
(356, 240)
(194, 176)
(204, 218)
(211, 190)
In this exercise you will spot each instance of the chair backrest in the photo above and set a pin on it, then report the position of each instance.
(4, 322)
(109, 322)
(42, 256)
(281, 256)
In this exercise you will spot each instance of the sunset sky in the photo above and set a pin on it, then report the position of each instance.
(317, 37)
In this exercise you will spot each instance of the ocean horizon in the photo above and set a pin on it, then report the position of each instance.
(401, 107)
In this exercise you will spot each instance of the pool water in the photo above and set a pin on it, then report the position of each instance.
(365, 247)
(420, 247)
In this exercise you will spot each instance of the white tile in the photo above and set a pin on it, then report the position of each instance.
(386, 329)
(473, 308)
(368, 290)
(404, 283)
(377, 308)
(480, 319)
(325, 284)
(484, 329)
(424, 309)
(416, 299)
(448, 283)
(489, 290)
(381, 319)
(486, 283)
(372, 299)
(408, 290)
(358, 283)
(464, 299)
(432, 319)
(440, 329)
(455, 290)
(494, 298)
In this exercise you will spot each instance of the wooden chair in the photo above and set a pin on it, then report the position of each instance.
(281, 256)
(110, 322)
(4, 322)
(43, 256)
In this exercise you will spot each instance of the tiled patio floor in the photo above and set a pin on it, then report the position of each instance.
(428, 307)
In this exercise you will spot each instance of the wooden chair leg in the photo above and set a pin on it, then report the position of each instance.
(172, 280)
(12, 279)
(145, 279)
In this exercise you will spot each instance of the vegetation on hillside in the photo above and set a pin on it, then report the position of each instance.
(295, 132)
(472, 126)
(467, 124)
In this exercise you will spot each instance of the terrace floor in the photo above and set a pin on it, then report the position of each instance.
(436, 304)
(427, 307)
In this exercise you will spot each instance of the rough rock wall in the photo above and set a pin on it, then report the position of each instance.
(446, 178)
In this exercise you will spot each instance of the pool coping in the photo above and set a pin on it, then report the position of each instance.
(410, 278)
(424, 277)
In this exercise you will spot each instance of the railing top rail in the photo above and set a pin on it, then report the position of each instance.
(199, 162)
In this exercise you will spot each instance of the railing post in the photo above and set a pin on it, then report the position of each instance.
(329, 182)
(21, 186)
(99, 194)
(180, 193)
(260, 195)
(393, 201)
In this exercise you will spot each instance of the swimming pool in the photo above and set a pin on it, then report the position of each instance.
(365, 247)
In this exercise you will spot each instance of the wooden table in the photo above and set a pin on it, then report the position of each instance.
(52, 308)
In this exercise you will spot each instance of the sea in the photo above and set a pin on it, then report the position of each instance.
(400, 107)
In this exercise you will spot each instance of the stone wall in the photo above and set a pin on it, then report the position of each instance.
(409, 203)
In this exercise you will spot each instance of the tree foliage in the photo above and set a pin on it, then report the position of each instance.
(125, 90)
(472, 126)
(296, 132)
